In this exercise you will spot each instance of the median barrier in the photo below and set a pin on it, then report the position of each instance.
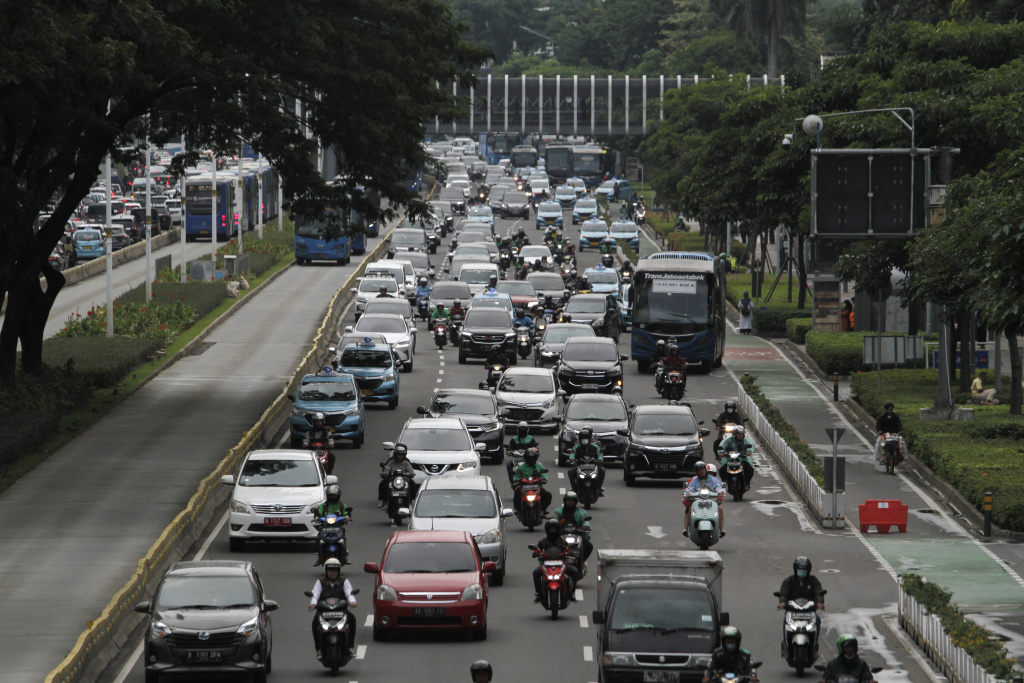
(121, 256)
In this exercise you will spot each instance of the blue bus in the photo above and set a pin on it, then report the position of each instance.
(558, 162)
(498, 146)
(414, 179)
(196, 208)
(321, 239)
(682, 301)
(588, 163)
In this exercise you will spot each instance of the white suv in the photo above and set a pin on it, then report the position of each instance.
(439, 446)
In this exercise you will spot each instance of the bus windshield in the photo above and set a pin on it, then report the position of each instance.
(679, 301)
(524, 157)
(586, 162)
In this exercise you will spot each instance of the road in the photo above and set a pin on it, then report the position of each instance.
(766, 531)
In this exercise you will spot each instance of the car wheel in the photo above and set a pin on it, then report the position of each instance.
(358, 442)
(259, 676)
(392, 404)
(513, 359)
(379, 634)
(236, 544)
(498, 577)
(480, 634)
(270, 663)
(341, 262)
(628, 476)
(152, 677)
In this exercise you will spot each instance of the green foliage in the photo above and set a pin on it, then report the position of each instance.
(203, 297)
(102, 361)
(797, 329)
(769, 317)
(133, 320)
(785, 430)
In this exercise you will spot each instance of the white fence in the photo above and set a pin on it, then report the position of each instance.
(817, 500)
(927, 632)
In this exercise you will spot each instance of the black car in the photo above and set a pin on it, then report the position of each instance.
(597, 310)
(456, 199)
(63, 255)
(590, 365)
(515, 205)
(208, 617)
(664, 442)
(119, 239)
(495, 199)
(478, 409)
(548, 349)
(605, 414)
(484, 328)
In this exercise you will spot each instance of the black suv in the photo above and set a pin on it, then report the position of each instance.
(208, 617)
(515, 205)
(605, 414)
(478, 409)
(597, 310)
(484, 328)
(664, 442)
(590, 364)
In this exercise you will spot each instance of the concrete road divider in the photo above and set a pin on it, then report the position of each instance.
(121, 256)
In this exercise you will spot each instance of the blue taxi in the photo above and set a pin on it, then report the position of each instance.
(603, 280)
(334, 394)
(627, 231)
(593, 233)
(374, 366)
(549, 213)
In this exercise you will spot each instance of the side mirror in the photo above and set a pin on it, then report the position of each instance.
(331, 480)
(623, 357)
(271, 605)
(490, 567)
(777, 594)
(142, 607)
(388, 445)
(875, 669)
(291, 397)
(562, 393)
(480, 447)
(332, 349)
(622, 432)
(597, 616)
(507, 512)
(705, 432)
(532, 547)
(421, 410)
(723, 618)
(587, 518)
(308, 594)
(371, 568)
(348, 328)
(228, 479)
(753, 665)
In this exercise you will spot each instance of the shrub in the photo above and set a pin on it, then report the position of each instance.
(203, 297)
(102, 361)
(841, 352)
(260, 263)
(797, 329)
(774, 318)
(785, 430)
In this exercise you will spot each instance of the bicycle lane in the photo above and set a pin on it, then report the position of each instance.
(934, 545)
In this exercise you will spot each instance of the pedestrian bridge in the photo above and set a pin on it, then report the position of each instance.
(568, 105)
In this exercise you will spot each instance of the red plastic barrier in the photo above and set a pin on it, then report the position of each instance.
(883, 514)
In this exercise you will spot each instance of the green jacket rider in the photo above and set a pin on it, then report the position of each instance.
(847, 662)
(730, 657)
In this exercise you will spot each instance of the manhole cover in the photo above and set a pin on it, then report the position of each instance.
(772, 502)
(829, 571)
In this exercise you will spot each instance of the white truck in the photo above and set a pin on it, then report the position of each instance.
(660, 614)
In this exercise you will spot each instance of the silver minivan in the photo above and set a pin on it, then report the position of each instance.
(465, 503)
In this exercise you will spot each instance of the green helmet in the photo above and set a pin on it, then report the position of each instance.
(846, 639)
(732, 632)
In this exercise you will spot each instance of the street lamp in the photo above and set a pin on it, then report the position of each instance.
(551, 44)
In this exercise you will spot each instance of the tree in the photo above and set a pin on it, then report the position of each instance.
(82, 78)
(764, 21)
(495, 23)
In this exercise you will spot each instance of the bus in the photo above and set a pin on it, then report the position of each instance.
(680, 301)
(523, 156)
(498, 146)
(588, 163)
(558, 162)
(322, 239)
(196, 207)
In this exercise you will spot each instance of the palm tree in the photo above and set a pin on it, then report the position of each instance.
(763, 21)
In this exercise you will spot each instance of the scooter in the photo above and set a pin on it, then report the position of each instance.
(729, 677)
(455, 328)
(586, 482)
(704, 531)
(334, 637)
(673, 384)
(800, 634)
(331, 537)
(494, 373)
(524, 345)
(323, 453)
(556, 586)
(423, 308)
(441, 333)
(892, 451)
(400, 490)
(732, 475)
(832, 678)
(573, 537)
(530, 513)
(724, 432)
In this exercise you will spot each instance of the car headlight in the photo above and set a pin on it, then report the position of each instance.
(386, 593)
(618, 659)
(490, 427)
(388, 377)
(547, 404)
(350, 412)
(239, 507)
(159, 629)
(492, 536)
(474, 592)
(301, 412)
(249, 627)
(615, 372)
(403, 344)
(466, 466)
(700, 662)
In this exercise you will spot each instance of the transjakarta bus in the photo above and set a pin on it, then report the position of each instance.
(196, 207)
(312, 242)
(523, 156)
(498, 146)
(588, 163)
(680, 300)
(558, 162)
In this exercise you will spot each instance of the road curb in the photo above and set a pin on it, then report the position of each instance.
(121, 256)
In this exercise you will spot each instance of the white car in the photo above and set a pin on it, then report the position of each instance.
(438, 446)
(399, 333)
(369, 288)
(273, 494)
(534, 253)
(484, 214)
(530, 395)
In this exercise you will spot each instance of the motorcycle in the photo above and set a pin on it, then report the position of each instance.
(400, 490)
(729, 677)
(441, 333)
(891, 450)
(640, 215)
(626, 276)
(494, 373)
(331, 540)
(504, 259)
(556, 589)
(423, 308)
(832, 678)
(704, 531)
(334, 637)
(586, 482)
(724, 432)
(524, 344)
(530, 513)
(455, 328)
(732, 475)
(323, 453)
(673, 383)
(573, 537)
(800, 637)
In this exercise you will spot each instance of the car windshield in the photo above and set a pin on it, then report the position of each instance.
(455, 503)
(411, 237)
(430, 558)
(596, 226)
(204, 592)
(327, 391)
(375, 285)
(436, 439)
(514, 382)
(388, 307)
(590, 351)
(586, 204)
(87, 236)
(471, 236)
(661, 609)
(365, 358)
(283, 472)
(548, 281)
(624, 228)
(557, 334)
(598, 411)
(549, 207)
(385, 325)
(664, 424)
(481, 212)
(418, 260)
(535, 251)
(516, 288)
(585, 306)
(472, 250)
(475, 277)
(608, 184)
(463, 404)
(607, 277)
(488, 318)
(450, 290)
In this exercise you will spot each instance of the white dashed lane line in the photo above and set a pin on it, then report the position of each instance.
(588, 653)
(584, 623)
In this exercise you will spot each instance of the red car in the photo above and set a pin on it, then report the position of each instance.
(432, 580)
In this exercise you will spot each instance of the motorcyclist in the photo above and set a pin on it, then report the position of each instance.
(481, 671)
(492, 282)
(553, 539)
(496, 356)
(730, 657)
(322, 433)
(627, 268)
(331, 506)
(439, 313)
(583, 286)
(739, 441)
(847, 662)
(523, 320)
(422, 290)
(607, 261)
(398, 462)
(672, 360)
(802, 585)
(584, 449)
(522, 268)
(703, 479)
(660, 351)
(888, 422)
(332, 586)
(457, 309)
(728, 416)
(384, 294)
(528, 469)
(520, 442)
(569, 512)
(550, 306)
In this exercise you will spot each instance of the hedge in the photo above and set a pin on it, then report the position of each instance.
(841, 352)
(201, 296)
(102, 361)
(974, 457)
(769, 317)
(797, 329)
(785, 430)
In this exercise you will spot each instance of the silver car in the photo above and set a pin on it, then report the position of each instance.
(465, 503)
(399, 333)
(530, 395)
(369, 288)
(438, 446)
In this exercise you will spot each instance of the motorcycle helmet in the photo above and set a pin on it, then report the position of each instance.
(522, 429)
(493, 280)
(480, 666)
(586, 434)
(712, 469)
(673, 350)
(496, 348)
(332, 564)
(701, 465)
(552, 528)
(400, 450)
(383, 290)
(730, 406)
(739, 431)
(333, 493)
(457, 303)
(440, 306)
(520, 313)
(844, 641)
(584, 283)
(731, 633)
(318, 418)
(570, 496)
(802, 564)
(531, 456)
(660, 345)
(423, 282)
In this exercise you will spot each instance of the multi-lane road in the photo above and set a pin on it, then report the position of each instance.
(766, 531)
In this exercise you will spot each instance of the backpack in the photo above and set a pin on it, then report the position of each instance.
(745, 308)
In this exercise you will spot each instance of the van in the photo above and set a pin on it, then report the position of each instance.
(402, 271)
(476, 275)
(139, 187)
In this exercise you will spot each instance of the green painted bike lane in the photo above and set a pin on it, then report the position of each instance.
(934, 545)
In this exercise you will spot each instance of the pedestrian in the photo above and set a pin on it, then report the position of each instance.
(846, 317)
(746, 314)
(985, 397)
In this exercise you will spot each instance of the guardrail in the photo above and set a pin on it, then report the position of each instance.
(819, 502)
(926, 630)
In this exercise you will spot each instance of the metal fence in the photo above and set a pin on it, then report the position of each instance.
(819, 502)
(926, 630)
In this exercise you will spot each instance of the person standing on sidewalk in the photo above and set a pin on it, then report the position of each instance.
(985, 397)
(746, 314)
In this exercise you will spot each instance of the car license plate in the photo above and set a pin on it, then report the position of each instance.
(591, 386)
(661, 676)
(595, 243)
(366, 392)
(428, 611)
(665, 466)
(203, 655)
(277, 521)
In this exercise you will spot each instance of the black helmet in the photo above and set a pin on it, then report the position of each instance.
(532, 455)
(549, 298)
(522, 429)
(739, 431)
(333, 493)
(493, 279)
(730, 406)
(673, 349)
(383, 289)
(552, 527)
(847, 639)
(732, 632)
(496, 348)
(802, 562)
(586, 433)
(480, 666)
(700, 464)
(400, 450)
(520, 313)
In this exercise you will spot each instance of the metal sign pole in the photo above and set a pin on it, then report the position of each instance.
(834, 434)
